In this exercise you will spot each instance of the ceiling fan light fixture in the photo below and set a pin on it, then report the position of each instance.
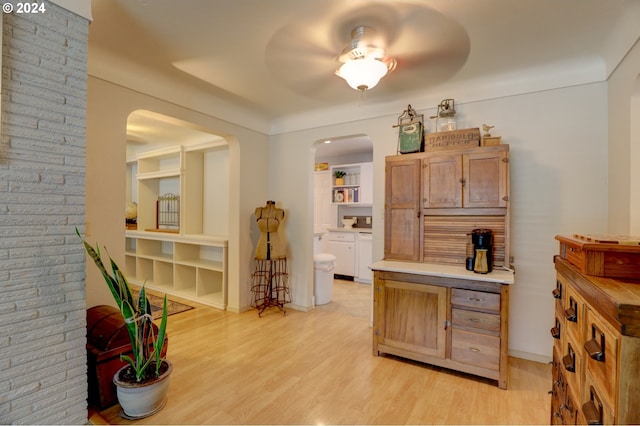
(363, 73)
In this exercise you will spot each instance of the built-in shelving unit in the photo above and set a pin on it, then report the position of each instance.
(192, 267)
(356, 187)
(184, 261)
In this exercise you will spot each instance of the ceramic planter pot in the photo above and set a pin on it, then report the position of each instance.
(139, 400)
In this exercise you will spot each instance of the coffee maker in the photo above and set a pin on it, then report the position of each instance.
(481, 261)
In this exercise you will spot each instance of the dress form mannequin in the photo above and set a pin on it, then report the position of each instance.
(270, 276)
(269, 245)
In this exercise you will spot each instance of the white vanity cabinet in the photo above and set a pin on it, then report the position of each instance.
(343, 246)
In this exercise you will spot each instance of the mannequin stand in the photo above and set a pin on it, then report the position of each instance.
(269, 284)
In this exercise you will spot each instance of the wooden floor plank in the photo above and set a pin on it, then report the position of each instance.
(317, 368)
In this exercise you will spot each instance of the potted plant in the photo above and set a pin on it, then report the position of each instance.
(142, 384)
(339, 175)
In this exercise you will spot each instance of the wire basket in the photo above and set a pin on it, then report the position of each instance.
(168, 213)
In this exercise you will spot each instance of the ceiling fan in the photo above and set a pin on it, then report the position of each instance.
(411, 39)
(364, 61)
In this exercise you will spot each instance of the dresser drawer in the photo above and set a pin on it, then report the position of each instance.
(601, 355)
(571, 363)
(475, 320)
(476, 349)
(479, 300)
(573, 314)
(594, 407)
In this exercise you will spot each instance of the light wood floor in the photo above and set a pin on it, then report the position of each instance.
(317, 368)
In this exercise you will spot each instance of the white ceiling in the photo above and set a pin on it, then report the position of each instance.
(276, 58)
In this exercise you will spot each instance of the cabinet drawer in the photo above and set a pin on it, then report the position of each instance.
(475, 300)
(575, 255)
(342, 236)
(475, 320)
(600, 346)
(573, 314)
(571, 364)
(594, 408)
(476, 349)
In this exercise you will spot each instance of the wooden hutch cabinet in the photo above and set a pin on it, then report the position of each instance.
(596, 352)
(474, 179)
(427, 306)
(432, 199)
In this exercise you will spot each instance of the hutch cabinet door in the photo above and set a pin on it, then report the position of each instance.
(485, 179)
(402, 230)
(413, 318)
(442, 181)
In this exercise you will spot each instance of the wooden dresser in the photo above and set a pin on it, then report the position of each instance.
(596, 353)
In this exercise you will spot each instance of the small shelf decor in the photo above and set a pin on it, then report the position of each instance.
(339, 175)
(411, 131)
(168, 213)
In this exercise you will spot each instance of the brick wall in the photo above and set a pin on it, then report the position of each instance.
(42, 157)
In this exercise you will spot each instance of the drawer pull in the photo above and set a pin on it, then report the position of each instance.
(569, 360)
(570, 315)
(555, 331)
(475, 299)
(557, 292)
(595, 348)
(476, 320)
(592, 410)
(472, 349)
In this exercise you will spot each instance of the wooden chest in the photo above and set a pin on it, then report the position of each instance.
(107, 339)
(602, 255)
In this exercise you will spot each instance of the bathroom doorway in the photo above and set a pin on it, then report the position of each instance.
(353, 155)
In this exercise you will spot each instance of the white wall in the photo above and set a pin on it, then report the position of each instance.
(108, 107)
(558, 149)
(624, 145)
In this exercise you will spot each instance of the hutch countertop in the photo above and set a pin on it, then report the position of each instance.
(499, 276)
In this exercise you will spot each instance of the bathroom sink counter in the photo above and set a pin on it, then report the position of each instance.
(363, 230)
(499, 276)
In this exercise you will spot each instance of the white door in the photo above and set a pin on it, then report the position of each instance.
(324, 213)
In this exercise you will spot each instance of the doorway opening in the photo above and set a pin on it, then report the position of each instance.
(343, 218)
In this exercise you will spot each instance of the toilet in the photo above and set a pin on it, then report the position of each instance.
(323, 266)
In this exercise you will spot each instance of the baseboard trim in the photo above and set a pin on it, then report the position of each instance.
(544, 359)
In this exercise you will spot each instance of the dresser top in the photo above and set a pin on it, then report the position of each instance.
(618, 300)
